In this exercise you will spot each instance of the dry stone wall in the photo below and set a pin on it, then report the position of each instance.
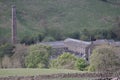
(98, 76)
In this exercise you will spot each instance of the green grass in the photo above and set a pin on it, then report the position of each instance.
(72, 79)
(69, 15)
(32, 72)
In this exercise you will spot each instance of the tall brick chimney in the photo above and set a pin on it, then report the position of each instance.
(14, 25)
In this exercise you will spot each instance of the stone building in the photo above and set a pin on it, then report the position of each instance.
(105, 41)
(73, 46)
(58, 47)
(78, 47)
(82, 49)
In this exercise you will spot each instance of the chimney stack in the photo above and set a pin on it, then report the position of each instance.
(14, 25)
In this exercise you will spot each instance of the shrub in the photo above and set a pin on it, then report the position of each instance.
(91, 68)
(28, 40)
(75, 35)
(38, 56)
(104, 58)
(54, 63)
(6, 49)
(81, 64)
(65, 61)
(18, 58)
(48, 38)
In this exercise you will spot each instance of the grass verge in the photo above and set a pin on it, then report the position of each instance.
(32, 72)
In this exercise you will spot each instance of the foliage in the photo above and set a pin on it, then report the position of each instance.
(48, 38)
(28, 40)
(75, 35)
(32, 18)
(91, 68)
(81, 64)
(34, 38)
(6, 49)
(116, 28)
(18, 58)
(56, 33)
(69, 61)
(38, 56)
(104, 58)
(65, 61)
(85, 35)
(41, 36)
(104, 0)
(54, 63)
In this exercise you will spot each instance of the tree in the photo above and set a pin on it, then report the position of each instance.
(28, 40)
(104, 0)
(41, 36)
(6, 49)
(116, 28)
(85, 35)
(38, 56)
(18, 58)
(75, 35)
(56, 33)
(102, 34)
(48, 39)
(65, 61)
(104, 58)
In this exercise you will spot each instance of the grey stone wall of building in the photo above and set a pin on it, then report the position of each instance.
(79, 48)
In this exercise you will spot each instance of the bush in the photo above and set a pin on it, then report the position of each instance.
(38, 56)
(18, 58)
(65, 61)
(91, 68)
(104, 58)
(28, 40)
(48, 38)
(32, 39)
(104, 0)
(5, 49)
(69, 61)
(54, 63)
(56, 32)
(75, 35)
(81, 64)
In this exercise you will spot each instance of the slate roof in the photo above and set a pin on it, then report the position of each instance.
(69, 42)
(75, 41)
(56, 44)
(100, 41)
(117, 44)
(105, 41)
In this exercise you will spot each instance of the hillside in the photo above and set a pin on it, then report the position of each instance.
(33, 16)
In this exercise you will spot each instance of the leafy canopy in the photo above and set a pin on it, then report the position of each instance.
(105, 58)
(38, 56)
(64, 61)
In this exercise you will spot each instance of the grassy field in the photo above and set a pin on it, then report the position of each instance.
(72, 79)
(31, 72)
(67, 15)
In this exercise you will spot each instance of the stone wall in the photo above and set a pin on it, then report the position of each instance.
(101, 76)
